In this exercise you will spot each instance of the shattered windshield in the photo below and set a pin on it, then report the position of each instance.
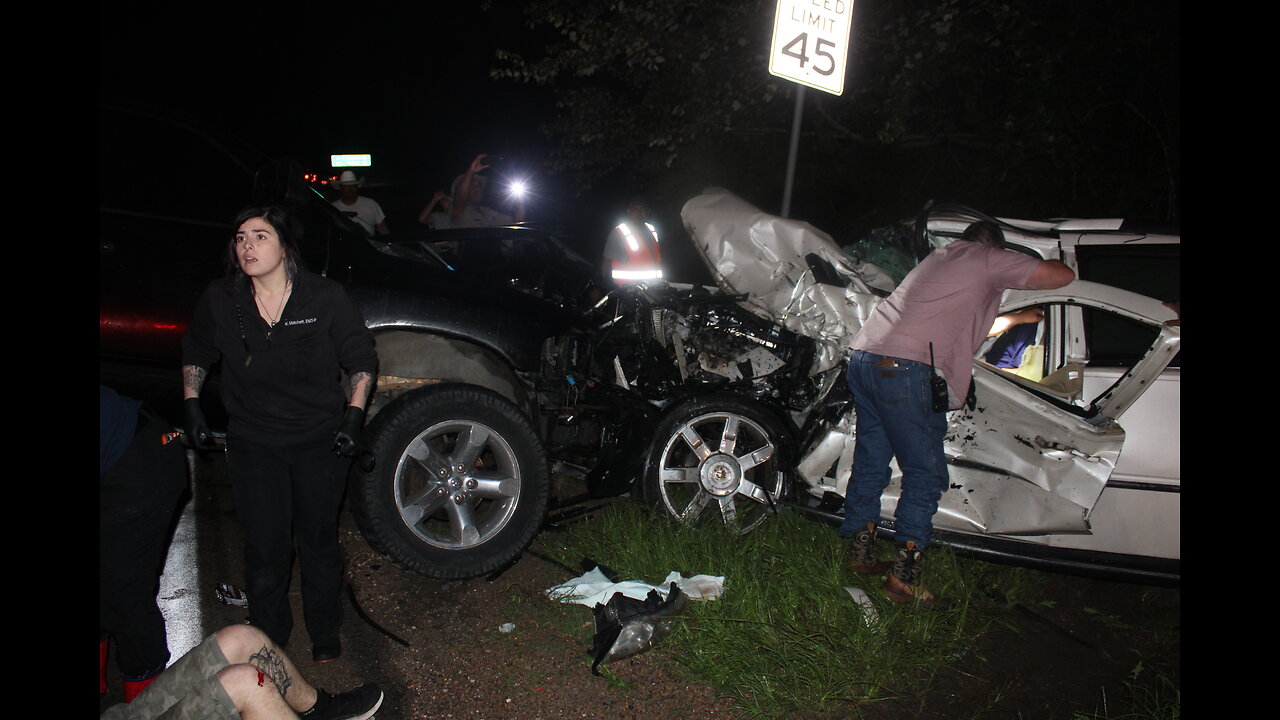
(894, 249)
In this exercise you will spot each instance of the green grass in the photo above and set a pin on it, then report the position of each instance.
(1159, 699)
(786, 637)
(1149, 695)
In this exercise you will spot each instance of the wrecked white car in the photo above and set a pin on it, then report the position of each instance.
(1069, 461)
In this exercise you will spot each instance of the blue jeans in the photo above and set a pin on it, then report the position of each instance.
(895, 419)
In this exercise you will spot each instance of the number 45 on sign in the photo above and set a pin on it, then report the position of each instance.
(811, 42)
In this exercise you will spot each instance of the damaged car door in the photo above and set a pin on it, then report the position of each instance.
(1032, 461)
(1033, 455)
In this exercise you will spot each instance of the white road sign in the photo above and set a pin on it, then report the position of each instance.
(811, 42)
(362, 160)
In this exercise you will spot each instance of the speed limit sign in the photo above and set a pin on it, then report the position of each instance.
(811, 42)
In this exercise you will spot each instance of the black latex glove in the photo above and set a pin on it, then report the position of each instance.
(347, 442)
(195, 426)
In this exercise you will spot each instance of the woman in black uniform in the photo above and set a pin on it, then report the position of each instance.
(284, 336)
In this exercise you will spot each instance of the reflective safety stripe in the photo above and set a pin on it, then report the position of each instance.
(632, 244)
(630, 237)
(637, 274)
(644, 259)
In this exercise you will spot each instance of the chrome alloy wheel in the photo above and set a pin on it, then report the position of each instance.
(719, 465)
(457, 484)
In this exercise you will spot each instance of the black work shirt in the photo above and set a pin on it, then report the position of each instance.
(290, 389)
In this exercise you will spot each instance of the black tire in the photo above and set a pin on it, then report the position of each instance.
(718, 459)
(460, 483)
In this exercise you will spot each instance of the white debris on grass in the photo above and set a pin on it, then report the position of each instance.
(593, 587)
(869, 614)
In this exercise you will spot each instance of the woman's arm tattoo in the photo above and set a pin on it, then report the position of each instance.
(271, 663)
(361, 387)
(193, 379)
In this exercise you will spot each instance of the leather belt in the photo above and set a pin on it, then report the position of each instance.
(886, 362)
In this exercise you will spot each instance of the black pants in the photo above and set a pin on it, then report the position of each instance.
(138, 499)
(283, 494)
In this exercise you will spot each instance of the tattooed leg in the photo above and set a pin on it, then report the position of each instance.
(270, 662)
(249, 647)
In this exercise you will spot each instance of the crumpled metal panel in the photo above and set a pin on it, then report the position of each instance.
(1033, 440)
(832, 452)
(1017, 468)
(992, 502)
(763, 256)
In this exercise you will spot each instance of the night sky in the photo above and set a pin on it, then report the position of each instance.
(408, 85)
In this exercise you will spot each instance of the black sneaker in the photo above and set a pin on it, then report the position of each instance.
(358, 703)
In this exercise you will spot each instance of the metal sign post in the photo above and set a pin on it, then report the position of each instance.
(810, 47)
(793, 151)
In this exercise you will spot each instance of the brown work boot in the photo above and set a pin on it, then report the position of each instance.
(903, 583)
(862, 552)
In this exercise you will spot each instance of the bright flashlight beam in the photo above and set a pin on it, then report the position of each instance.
(518, 189)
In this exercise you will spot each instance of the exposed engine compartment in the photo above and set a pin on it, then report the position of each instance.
(669, 341)
(654, 346)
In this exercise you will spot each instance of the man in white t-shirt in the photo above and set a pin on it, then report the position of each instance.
(363, 211)
(938, 317)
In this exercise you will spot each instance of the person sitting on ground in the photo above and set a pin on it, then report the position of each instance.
(238, 672)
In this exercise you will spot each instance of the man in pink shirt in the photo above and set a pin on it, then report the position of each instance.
(938, 317)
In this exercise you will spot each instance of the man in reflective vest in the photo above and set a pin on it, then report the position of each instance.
(631, 252)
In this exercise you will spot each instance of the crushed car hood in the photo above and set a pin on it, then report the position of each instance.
(790, 272)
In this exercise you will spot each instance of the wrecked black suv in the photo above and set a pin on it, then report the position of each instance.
(501, 359)
(480, 340)
(479, 333)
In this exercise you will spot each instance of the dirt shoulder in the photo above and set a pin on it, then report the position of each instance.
(460, 664)
(1053, 654)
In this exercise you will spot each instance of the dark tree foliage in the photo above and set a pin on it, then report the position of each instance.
(1046, 109)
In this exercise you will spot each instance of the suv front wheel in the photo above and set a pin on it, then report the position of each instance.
(459, 486)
